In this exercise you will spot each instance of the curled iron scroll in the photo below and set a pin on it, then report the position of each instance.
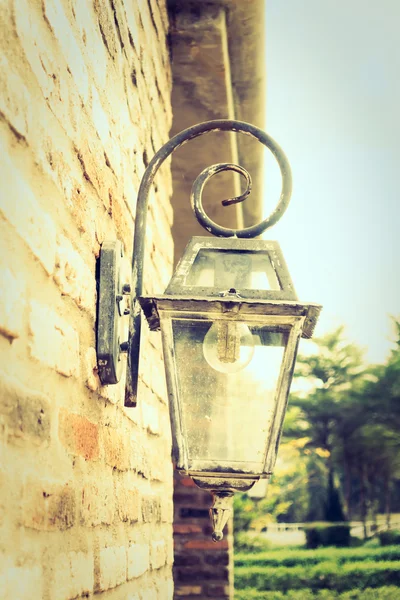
(201, 180)
(248, 232)
(141, 218)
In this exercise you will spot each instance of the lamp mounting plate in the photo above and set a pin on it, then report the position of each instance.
(113, 298)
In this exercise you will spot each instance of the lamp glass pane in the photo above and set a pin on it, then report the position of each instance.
(236, 269)
(227, 375)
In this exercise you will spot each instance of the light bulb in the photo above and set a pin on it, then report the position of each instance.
(228, 346)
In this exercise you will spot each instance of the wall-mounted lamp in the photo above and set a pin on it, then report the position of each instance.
(230, 323)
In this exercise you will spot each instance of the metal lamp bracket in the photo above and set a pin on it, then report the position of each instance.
(113, 306)
(109, 346)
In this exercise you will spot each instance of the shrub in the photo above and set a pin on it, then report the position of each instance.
(389, 538)
(382, 593)
(250, 543)
(328, 535)
(356, 542)
(293, 558)
(324, 575)
(372, 543)
(313, 537)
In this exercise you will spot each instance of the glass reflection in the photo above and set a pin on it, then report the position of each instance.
(228, 269)
(227, 417)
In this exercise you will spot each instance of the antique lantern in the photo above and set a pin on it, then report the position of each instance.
(231, 324)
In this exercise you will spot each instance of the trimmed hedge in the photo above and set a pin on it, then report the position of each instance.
(387, 538)
(324, 575)
(245, 541)
(328, 535)
(292, 558)
(381, 593)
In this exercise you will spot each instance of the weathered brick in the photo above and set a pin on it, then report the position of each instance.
(74, 277)
(138, 560)
(161, 470)
(117, 448)
(168, 589)
(111, 568)
(186, 512)
(167, 510)
(158, 554)
(50, 75)
(25, 412)
(20, 208)
(128, 502)
(70, 48)
(79, 435)
(158, 73)
(207, 545)
(108, 28)
(93, 164)
(47, 505)
(97, 502)
(63, 166)
(132, 17)
(93, 50)
(218, 590)
(19, 582)
(189, 590)
(12, 304)
(187, 482)
(158, 384)
(92, 378)
(149, 593)
(113, 393)
(150, 418)
(4, 500)
(53, 341)
(15, 103)
(71, 575)
(215, 559)
(198, 575)
(122, 219)
(82, 101)
(142, 463)
(151, 511)
(185, 501)
(191, 559)
(170, 544)
(101, 123)
(184, 529)
(134, 415)
(99, 118)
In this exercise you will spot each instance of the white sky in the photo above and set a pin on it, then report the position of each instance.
(333, 104)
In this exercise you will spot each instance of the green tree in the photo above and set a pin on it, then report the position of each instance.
(333, 373)
(351, 416)
(378, 434)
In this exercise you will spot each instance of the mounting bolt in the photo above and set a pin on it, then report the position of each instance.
(124, 347)
(126, 288)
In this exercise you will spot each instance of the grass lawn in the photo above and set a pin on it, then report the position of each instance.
(322, 574)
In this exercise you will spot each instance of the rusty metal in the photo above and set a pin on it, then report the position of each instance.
(209, 172)
(222, 491)
(141, 218)
(111, 309)
(181, 285)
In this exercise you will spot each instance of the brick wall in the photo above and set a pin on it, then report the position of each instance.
(202, 568)
(85, 484)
